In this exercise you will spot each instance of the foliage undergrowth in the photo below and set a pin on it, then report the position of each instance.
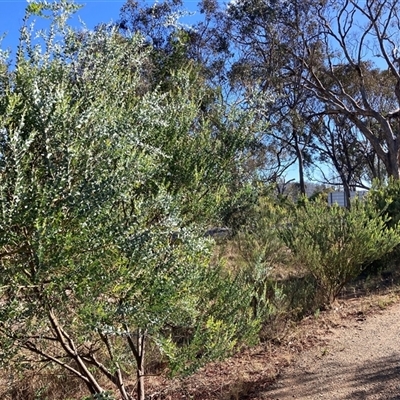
(335, 244)
(109, 179)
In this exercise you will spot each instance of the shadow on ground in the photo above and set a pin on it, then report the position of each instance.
(377, 380)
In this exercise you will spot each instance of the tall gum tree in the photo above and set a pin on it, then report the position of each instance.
(352, 35)
(298, 51)
(339, 143)
(259, 69)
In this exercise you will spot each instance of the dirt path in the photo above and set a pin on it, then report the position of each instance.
(359, 361)
(350, 352)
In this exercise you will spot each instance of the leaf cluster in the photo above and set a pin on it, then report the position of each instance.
(106, 185)
(335, 244)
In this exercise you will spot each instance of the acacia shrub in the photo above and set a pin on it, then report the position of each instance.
(89, 202)
(335, 244)
(386, 199)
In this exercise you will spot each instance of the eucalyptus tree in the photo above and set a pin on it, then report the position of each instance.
(100, 251)
(361, 38)
(338, 141)
(345, 152)
(248, 45)
(342, 54)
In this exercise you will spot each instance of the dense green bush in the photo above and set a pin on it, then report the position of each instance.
(386, 199)
(103, 205)
(259, 253)
(335, 243)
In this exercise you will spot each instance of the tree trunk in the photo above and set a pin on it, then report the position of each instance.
(300, 160)
(346, 189)
(141, 342)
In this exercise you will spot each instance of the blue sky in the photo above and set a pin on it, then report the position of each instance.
(93, 12)
(12, 13)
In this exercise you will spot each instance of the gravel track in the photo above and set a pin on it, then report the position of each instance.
(360, 361)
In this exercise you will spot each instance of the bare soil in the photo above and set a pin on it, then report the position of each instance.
(350, 352)
(361, 360)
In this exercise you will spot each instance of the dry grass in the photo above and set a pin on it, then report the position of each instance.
(296, 325)
(251, 370)
(239, 377)
(50, 383)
